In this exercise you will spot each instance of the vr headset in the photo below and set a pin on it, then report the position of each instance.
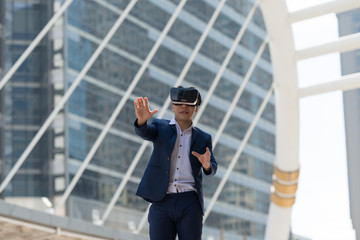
(186, 96)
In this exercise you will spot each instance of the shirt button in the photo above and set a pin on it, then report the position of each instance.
(175, 180)
(177, 168)
(178, 156)
(180, 145)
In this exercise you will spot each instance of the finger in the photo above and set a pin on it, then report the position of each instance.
(146, 102)
(135, 104)
(207, 150)
(155, 111)
(195, 154)
(140, 101)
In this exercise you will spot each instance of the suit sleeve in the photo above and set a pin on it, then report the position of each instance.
(146, 131)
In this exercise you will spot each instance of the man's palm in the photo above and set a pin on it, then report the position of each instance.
(204, 158)
(142, 110)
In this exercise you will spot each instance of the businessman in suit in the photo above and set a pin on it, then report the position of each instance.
(172, 181)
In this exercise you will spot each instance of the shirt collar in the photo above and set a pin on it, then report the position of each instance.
(174, 122)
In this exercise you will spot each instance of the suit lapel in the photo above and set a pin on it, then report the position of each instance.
(173, 135)
(173, 128)
(194, 135)
(193, 160)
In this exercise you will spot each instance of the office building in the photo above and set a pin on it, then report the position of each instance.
(349, 23)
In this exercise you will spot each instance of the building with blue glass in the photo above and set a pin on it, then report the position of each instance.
(43, 79)
(349, 23)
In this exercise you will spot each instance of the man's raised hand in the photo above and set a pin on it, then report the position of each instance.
(204, 158)
(142, 110)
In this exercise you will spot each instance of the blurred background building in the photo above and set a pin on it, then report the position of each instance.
(349, 23)
(38, 85)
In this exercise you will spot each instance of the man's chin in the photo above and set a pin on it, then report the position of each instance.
(183, 118)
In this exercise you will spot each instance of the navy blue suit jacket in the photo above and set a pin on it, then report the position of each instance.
(155, 181)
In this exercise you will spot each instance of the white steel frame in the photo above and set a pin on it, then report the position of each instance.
(287, 94)
(34, 43)
(210, 92)
(66, 96)
(117, 110)
(180, 79)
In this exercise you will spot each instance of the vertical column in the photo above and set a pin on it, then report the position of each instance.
(57, 79)
(282, 51)
(2, 97)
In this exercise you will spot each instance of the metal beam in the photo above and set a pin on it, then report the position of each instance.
(181, 77)
(239, 92)
(283, 61)
(237, 154)
(216, 80)
(344, 83)
(118, 108)
(126, 96)
(323, 9)
(343, 44)
(34, 43)
(66, 96)
(226, 61)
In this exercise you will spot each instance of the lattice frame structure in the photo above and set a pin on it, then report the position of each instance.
(287, 96)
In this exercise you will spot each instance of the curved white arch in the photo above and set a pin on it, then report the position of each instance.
(287, 94)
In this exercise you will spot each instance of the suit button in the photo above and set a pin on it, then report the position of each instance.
(168, 158)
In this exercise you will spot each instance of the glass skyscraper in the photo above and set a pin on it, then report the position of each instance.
(39, 84)
(349, 23)
(27, 99)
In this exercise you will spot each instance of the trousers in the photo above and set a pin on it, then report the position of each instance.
(178, 213)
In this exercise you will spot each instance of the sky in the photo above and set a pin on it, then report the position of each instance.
(321, 211)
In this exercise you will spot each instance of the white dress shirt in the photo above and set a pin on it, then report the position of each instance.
(181, 178)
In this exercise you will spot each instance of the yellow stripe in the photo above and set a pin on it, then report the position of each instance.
(286, 176)
(282, 201)
(285, 189)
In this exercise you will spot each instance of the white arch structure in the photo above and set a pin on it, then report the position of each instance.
(287, 94)
(285, 86)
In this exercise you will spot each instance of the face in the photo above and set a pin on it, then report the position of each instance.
(184, 112)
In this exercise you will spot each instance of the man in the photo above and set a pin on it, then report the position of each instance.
(172, 180)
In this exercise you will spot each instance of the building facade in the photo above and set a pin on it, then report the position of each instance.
(39, 84)
(349, 23)
(26, 100)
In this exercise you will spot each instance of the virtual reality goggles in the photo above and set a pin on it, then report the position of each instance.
(186, 96)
